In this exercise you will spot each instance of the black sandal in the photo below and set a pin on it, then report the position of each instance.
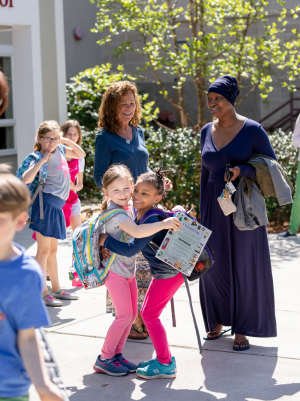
(239, 348)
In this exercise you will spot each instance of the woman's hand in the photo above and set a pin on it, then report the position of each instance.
(236, 172)
(168, 184)
(102, 239)
(172, 223)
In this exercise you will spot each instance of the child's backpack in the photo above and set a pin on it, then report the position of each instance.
(36, 186)
(204, 263)
(86, 249)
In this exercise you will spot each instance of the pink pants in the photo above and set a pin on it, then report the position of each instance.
(123, 293)
(158, 295)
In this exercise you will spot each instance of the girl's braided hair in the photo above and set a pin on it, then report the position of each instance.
(156, 178)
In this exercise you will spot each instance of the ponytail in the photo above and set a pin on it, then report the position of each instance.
(105, 204)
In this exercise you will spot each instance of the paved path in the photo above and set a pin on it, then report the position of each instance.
(270, 370)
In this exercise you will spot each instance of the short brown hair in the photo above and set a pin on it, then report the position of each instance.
(14, 195)
(114, 172)
(72, 123)
(108, 111)
(4, 89)
(44, 128)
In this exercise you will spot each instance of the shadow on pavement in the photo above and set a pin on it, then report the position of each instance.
(230, 376)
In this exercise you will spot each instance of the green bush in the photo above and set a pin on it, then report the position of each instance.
(178, 152)
(287, 156)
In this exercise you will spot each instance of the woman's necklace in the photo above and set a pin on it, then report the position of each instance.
(127, 134)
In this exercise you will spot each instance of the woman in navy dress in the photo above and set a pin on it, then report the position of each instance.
(238, 290)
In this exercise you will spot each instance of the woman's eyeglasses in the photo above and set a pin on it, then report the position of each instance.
(50, 140)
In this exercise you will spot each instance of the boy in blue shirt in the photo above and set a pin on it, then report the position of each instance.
(21, 307)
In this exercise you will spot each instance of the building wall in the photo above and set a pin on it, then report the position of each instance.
(53, 60)
(84, 53)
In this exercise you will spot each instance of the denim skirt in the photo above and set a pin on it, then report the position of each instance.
(53, 224)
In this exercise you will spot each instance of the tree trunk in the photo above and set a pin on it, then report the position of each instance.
(181, 102)
(200, 84)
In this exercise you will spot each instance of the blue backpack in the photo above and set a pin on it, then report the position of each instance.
(36, 186)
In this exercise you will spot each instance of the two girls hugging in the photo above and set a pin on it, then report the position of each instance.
(149, 189)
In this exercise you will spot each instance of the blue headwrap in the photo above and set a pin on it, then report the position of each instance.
(226, 86)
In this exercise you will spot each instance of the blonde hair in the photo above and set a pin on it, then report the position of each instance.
(14, 195)
(114, 172)
(108, 111)
(72, 123)
(44, 128)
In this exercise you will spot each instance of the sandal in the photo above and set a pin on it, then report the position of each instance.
(61, 294)
(145, 329)
(239, 348)
(137, 333)
(215, 338)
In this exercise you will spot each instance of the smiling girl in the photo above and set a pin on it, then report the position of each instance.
(52, 226)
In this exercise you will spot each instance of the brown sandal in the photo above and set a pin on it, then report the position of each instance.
(137, 333)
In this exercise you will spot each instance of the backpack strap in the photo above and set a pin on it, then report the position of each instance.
(156, 212)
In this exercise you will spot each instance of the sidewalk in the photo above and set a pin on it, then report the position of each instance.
(270, 370)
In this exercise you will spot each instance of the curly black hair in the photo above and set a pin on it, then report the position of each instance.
(156, 178)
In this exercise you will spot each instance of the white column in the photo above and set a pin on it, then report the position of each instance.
(27, 83)
(61, 60)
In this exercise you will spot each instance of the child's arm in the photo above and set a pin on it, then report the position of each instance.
(33, 360)
(124, 248)
(73, 151)
(30, 174)
(79, 182)
(146, 230)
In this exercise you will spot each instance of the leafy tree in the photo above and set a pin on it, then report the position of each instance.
(221, 41)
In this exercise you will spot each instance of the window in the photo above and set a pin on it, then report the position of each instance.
(7, 122)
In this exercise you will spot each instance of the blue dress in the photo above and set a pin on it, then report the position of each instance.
(238, 290)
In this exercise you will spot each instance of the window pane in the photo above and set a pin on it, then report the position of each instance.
(5, 67)
(6, 137)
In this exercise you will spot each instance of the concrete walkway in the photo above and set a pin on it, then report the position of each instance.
(270, 370)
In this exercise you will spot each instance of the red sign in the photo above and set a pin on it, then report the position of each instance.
(6, 3)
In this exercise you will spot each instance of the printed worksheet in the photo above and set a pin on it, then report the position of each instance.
(181, 249)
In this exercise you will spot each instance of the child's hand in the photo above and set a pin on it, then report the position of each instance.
(105, 253)
(65, 141)
(46, 157)
(102, 239)
(168, 184)
(172, 223)
(50, 393)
